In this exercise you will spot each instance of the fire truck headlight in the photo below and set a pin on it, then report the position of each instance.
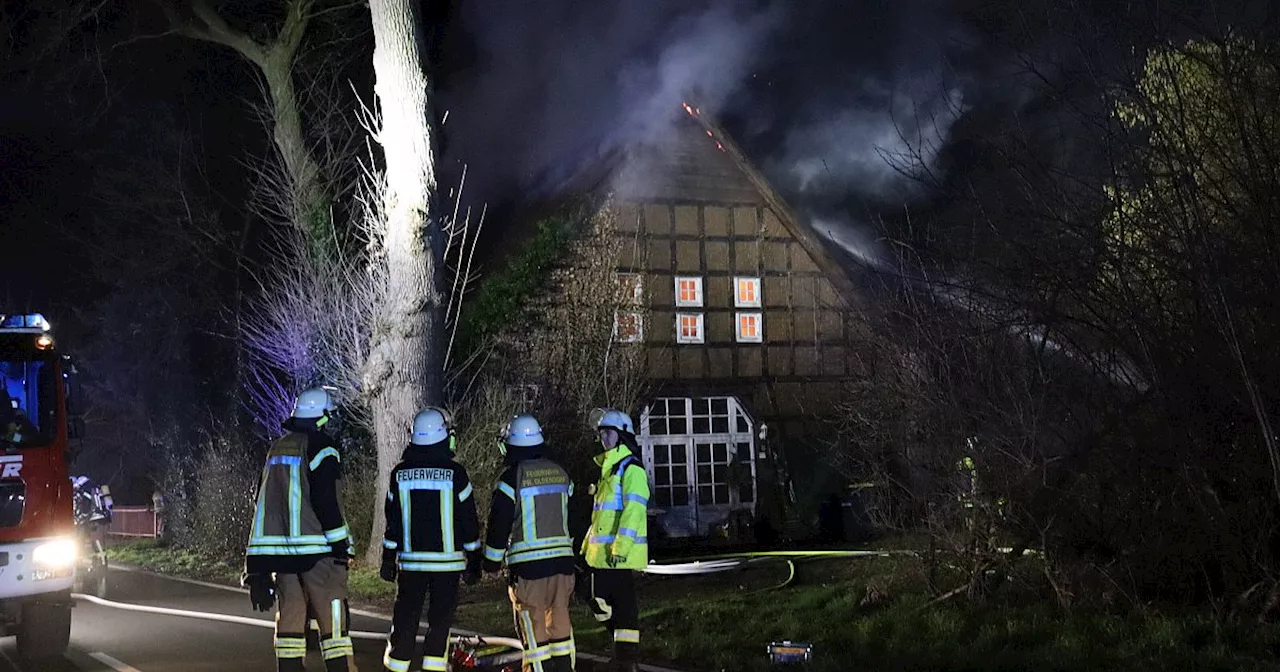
(56, 554)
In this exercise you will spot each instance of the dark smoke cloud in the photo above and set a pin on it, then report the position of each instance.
(561, 81)
(819, 92)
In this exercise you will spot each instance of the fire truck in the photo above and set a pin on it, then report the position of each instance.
(38, 546)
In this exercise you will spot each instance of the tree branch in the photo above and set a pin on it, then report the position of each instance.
(204, 23)
(298, 16)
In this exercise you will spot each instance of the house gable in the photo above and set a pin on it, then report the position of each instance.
(769, 316)
(691, 207)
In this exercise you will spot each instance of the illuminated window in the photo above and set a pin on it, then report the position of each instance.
(688, 292)
(630, 289)
(750, 328)
(747, 292)
(689, 328)
(628, 326)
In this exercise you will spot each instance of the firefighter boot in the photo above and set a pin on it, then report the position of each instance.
(625, 653)
(558, 664)
(343, 664)
(290, 665)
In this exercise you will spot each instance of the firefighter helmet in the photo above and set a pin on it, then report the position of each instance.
(615, 419)
(313, 403)
(431, 426)
(522, 431)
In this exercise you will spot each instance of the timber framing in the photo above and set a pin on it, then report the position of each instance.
(691, 204)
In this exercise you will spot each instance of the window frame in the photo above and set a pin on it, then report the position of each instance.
(697, 283)
(739, 438)
(737, 326)
(700, 321)
(737, 292)
(635, 281)
(639, 335)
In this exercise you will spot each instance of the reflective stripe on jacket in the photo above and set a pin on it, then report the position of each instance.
(540, 525)
(285, 522)
(431, 515)
(619, 516)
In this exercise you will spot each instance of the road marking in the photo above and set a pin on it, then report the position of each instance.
(112, 662)
(358, 612)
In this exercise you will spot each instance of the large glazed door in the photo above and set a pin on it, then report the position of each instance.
(700, 453)
(671, 483)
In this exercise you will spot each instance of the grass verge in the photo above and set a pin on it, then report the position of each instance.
(867, 614)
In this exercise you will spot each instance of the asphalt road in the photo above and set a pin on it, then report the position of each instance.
(108, 639)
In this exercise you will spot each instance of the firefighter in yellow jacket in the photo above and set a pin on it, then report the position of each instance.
(300, 545)
(616, 544)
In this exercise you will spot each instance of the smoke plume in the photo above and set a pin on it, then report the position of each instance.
(561, 82)
(831, 101)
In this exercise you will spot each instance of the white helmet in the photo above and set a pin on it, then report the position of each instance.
(615, 419)
(313, 403)
(431, 426)
(522, 431)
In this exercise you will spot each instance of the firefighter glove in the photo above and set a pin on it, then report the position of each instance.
(262, 591)
(388, 570)
(472, 575)
(615, 560)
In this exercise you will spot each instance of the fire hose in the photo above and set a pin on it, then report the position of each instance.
(712, 564)
(691, 567)
(468, 639)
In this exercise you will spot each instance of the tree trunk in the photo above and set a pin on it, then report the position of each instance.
(310, 198)
(405, 359)
(307, 200)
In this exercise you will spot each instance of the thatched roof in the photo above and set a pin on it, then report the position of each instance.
(697, 162)
(836, 271)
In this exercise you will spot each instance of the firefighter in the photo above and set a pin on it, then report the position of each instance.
(299, 546)
(432, 539)
(616, 544)
(531, 510)
(15, 426)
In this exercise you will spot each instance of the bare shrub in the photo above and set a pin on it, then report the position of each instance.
(481, 418)
(225, 487)
(359, 486)
(569, 352)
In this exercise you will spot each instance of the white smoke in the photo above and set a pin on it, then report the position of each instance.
(559, 82)
(707, 57)
(881, 149)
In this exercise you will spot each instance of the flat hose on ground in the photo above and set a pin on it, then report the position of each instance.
(264, 623)
(711, 564)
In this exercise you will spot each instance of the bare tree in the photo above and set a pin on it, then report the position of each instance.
(405, 368)
(275, 58)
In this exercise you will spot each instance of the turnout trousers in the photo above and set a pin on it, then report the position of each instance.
(541, 609)
(613, 603)
(412, 591)
(320, 592)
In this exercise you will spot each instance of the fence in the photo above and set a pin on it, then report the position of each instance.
(134, 521)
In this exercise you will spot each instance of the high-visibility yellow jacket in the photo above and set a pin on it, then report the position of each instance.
(619, 516)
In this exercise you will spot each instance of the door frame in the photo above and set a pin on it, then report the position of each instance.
(696, 518)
